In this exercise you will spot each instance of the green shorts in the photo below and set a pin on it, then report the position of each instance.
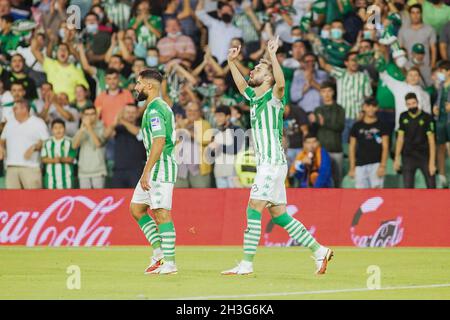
(442, 132)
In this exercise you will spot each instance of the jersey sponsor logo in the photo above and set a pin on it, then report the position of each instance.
(155, 123)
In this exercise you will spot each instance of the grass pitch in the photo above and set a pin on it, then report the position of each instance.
(280, 273)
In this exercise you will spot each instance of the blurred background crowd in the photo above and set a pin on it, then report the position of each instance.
(367, 96)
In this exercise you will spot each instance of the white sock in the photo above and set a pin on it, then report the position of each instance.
(246, 263)
(157, 252)
(321, 252)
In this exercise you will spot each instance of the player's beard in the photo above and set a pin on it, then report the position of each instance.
(255, 83)
(141, 96)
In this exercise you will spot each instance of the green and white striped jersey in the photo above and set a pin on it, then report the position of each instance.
(58, 175)
(266, 117)
(159, 121)
(352, 88)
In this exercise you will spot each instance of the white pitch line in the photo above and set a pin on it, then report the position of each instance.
(281, 294)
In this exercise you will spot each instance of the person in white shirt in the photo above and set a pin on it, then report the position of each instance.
(220, 32)
(20, 142)
(401, 88)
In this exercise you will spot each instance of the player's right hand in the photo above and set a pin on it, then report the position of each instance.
(233, 53)
(144, 181)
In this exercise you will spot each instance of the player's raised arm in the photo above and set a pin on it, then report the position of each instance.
(272, 47)
(238, 78)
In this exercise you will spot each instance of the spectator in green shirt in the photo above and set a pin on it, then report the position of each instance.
(8, 40)
(148, 28)
(336, 48)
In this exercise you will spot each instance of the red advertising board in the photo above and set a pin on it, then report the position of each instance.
(347, 217)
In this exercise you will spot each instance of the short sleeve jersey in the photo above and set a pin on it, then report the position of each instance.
(266, 118)
(159, 121)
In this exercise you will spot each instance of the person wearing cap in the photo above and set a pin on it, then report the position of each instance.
(8, 40)
(418, 60)
(400, 88)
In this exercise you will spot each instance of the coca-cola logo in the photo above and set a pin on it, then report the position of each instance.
(388, 234)
(53, 226)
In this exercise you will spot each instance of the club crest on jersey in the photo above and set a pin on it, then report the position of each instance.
(253, 112)
(155, 123)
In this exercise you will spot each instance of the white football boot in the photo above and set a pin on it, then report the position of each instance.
(321, 258)
(243, 268)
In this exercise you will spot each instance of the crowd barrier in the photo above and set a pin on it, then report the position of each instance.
(362, 218)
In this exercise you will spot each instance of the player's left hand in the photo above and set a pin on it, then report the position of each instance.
(273, 44)
(144, 181)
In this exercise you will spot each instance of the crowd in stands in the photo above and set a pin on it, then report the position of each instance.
(367, 89)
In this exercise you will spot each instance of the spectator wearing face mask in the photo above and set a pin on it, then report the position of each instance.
(401, 88)
(175, 45)
(418, 61)
(220, 32)
(336, 48)
(97, 41)
(416, 146)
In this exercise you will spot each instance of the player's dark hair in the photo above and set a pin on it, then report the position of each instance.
(411, 95)
(151, 74)
(58, 121)
(223, 109)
